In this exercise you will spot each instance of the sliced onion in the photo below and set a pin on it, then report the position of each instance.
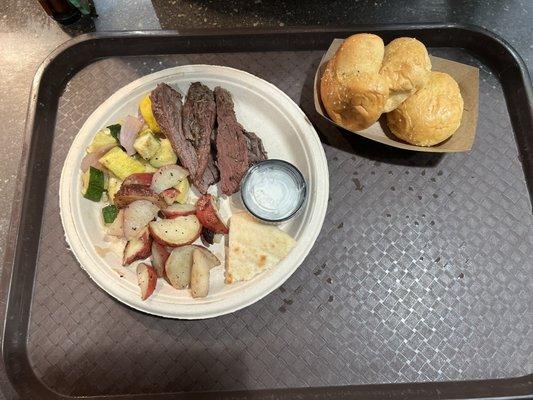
(91, 159)
(128, 133)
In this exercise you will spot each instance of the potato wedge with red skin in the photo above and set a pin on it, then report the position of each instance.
(159, 258)
(199, 274)
(178, 267)
(141, 178)
(208, 215)
(167, 177)
(212, 260)
(138, 248)
(127, 194)
(147, 279)
(137, 215)
(169, 195)
(179, 264)
(179, 210)
(177, 231)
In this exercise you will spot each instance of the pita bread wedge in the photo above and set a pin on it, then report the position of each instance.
(254, 247)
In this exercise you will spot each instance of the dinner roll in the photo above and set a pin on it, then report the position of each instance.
(431, 115)
(406, 66)
(352, 90)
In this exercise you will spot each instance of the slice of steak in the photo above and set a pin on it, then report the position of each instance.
(166, 107)
(210, 176)
(199, 114)
(256, 151)
(231, 144)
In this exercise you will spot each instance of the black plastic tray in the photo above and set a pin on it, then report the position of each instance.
(19, 283)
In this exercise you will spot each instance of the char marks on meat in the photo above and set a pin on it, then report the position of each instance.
(167, 107)
(231, 144)
(256, 151)
(199, 114)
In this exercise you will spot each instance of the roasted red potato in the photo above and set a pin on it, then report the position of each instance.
(207, 213)
(169, 195)
(199, 274)
(141, 178)
(129, 193)
(159, 258)
(147, 279)
(138, 248)
(179, 210)
(167, 176)
(177, 231)
(137, 215)
(178, 267)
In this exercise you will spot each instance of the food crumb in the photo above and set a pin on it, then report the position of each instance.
(330, 298)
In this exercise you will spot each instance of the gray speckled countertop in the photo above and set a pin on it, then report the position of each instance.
(27, 35)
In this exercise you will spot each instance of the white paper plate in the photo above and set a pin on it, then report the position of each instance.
(261, 108)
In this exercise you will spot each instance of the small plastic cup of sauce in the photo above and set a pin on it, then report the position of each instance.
(273, 190)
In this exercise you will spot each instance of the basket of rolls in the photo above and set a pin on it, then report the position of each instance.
(398, 94)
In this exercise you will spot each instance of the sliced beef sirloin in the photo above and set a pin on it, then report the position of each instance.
(199, 114)
(256, 151)
(211, 173)
(167, 108)
(231, 144)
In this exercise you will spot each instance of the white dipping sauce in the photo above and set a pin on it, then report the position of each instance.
(273, 190)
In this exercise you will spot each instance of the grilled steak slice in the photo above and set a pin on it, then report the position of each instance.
(231, 144)
(166, 107)
(211, 174)
(199, 113)
(256, 151)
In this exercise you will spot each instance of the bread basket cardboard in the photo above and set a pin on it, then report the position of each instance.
(462, 140)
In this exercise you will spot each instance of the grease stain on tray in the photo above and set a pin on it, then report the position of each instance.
(358, 185)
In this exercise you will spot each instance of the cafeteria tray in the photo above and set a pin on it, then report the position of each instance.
(419, 285)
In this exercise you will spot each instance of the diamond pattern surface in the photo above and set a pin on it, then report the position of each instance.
(422, 270)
